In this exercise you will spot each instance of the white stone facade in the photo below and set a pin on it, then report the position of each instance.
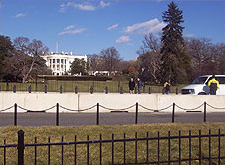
(60, 63)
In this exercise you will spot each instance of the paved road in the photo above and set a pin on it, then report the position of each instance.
(115, 118)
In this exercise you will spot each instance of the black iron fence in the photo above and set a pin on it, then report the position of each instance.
(91, 89)
(98, 107)
(204, 146)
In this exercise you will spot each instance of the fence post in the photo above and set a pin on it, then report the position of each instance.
(36, 81)
(76, 90)
(204, 111)
(46, 89)
(57, 114)
(20, 147)
(15, 114)
(61, 89)
(14, 89)
(163, 90)
(121, 90)
(173, 112)
(97, 117)
(149, 90)
(7, 86)
(29, 89)
(136, 114)
(177, 91)
(91, 90)
(106, 90)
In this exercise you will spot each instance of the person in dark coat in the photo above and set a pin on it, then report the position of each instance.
(131, 85)
(213, 85)
(139, 85)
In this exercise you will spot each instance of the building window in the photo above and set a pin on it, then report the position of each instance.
(58, 61)
(53, 60)
(50, 61)
(62, 61)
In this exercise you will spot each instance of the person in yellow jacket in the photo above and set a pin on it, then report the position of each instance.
(213, 85)
(167, 87)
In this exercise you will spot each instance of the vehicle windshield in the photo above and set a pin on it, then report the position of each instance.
(199, 80)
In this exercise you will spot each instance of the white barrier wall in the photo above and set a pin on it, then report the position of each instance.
(117, 101)
(38, 101)
(192, 101)
(41, 101)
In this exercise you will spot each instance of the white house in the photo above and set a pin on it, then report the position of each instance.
(60, 63)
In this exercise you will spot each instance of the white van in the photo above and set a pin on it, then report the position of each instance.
(200, 86)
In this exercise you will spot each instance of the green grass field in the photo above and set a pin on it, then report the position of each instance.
(42, 134)
(83, 86)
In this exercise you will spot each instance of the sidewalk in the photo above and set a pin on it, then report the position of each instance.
(116, 118)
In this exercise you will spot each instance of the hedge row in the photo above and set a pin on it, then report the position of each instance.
(74, 78)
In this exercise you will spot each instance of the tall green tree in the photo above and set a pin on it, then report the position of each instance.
(78, 66)
(6, 49)
(175, 63)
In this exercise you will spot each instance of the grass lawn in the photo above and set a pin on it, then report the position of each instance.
(55, 133)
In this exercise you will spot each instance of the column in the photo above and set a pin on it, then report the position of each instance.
(59, 66)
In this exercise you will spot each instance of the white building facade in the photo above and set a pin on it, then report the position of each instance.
(60, 63)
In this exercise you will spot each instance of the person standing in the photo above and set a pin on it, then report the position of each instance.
(139, 85)
(166, 87)
(131, 85)
(213, 85)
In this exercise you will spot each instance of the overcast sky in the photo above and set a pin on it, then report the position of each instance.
(87, 27)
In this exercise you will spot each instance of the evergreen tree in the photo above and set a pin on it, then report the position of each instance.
(78, 66)
(174, 61)
(6, 49)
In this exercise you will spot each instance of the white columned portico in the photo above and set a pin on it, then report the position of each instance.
(60, 63)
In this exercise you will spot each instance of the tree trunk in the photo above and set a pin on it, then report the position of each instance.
(31, 68)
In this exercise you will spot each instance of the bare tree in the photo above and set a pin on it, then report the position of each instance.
(22, 44)
(221, 58)
(96, 62)
(206, 57)
(111, 58)
(149, 58)
(199, 50)
(215, 65)
(26, 60)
